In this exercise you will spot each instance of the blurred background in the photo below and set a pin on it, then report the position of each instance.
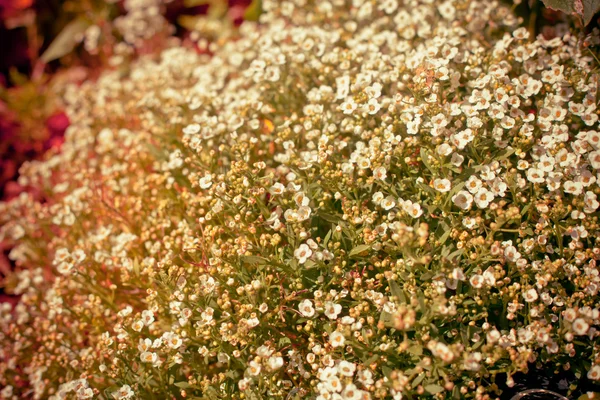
(45, 44)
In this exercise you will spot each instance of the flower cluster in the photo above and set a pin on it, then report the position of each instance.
(354, 200)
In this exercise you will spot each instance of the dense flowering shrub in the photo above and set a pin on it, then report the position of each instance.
(355, 200)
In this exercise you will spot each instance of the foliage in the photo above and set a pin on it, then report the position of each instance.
(352, 199)
(584, 9)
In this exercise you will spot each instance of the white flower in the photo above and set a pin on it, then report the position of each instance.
(415, 210)
(530, 295)
(124, 392)
(463, 199)
(343, 86)
(147, 317)
(476, 281)
(336, 339)
(372, 107)
(535, 175)
(144, 345)
(148, 357)
(277, 189)
(333, 384)
(7, 392)
(306, 308)
(388, 203)
(303, 253)
(303, 213)
(173, 340)
(594, 373)
(351, 392)
(346, 368)
(191, 129)
(275, 363)
(253, 368)
(442, 185)
(137, 325)
(377, 197)
(348, 106)
(580, 327)
(483, 198)
(511, 253)
(493, 336)
(332, 310)
(206, 181)
(364, 163)
(301, 199)
(473, 184)
(472, 360)
(380, 173)
(594, 158)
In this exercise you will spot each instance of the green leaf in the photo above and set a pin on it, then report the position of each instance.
(387, 319)
(183, 385)
(584, 9)
(418, 380)
(327, 238)
(446, 234)
(433, 389)
(397, 291)
(425, 159)
(189, 22)
(254, 260)
(590, 8)
(253, 11)
(66, 40)
(416, 349)
(359, 249)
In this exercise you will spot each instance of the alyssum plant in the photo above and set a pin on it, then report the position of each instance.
(353, 200)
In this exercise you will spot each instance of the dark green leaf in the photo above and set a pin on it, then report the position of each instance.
(253, 11)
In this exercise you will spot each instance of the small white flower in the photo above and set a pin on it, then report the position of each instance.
(388, 203)
(336, 339)
(137, 325)
(147, 317)
(275, 363)
(303, 253)
(253, 368)
(442, 185)
(530, 295)
(463, 199)
(206, 181)
(580, 326)
(277, 189)
(148, 357)
(476, 281)
(594, 373)
(124, 392)
(372, 107)
(332, 310)
(380, 173)
(348, 106)
(306, 308)
(415, 210)
(346, 368)
(173, 341)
